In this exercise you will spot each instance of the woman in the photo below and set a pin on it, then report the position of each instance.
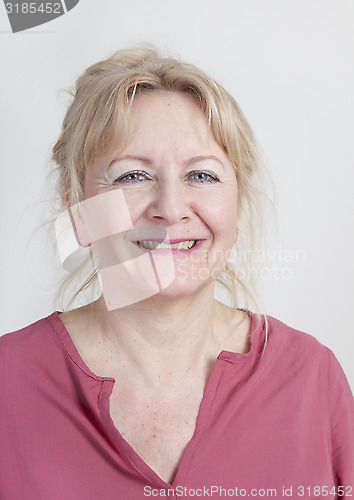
(156, 388)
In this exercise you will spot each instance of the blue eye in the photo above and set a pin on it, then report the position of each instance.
(132, 177)
(138, 176)
(202, 177)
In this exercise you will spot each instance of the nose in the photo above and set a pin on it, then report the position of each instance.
(171, 203)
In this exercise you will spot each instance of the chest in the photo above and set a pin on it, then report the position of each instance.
(158, 428)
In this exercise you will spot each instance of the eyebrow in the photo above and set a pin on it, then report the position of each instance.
(197, 159)
(147, 161)
(142, 159)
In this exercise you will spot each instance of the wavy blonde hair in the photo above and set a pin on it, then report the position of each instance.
(97, 120)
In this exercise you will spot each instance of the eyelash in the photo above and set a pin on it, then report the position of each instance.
(212, 178)
(123, 179)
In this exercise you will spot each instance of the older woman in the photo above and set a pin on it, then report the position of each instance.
(156, 388)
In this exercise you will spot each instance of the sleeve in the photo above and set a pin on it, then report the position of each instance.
(341, 404)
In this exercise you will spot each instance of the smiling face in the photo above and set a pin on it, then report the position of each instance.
(174, 177)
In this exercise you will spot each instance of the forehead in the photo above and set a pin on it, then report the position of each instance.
(168, 119)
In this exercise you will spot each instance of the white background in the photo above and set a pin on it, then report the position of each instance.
(290, 66)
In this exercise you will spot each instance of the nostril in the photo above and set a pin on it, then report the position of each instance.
(171, 209)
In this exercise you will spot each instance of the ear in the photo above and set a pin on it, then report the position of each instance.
(77, 216)
(236, 235)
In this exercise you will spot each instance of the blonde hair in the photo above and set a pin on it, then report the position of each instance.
(97, 120)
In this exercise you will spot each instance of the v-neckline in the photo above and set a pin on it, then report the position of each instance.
(107, 385)
(133, 456)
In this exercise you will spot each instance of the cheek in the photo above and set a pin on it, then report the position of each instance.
(223, 214)
(137, 203)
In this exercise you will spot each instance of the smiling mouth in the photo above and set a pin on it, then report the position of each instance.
(158, 245)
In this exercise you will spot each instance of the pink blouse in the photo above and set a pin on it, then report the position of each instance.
(281, 425)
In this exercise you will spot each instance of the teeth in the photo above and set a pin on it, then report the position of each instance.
(156, 245)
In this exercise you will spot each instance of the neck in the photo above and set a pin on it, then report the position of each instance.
(161, 334)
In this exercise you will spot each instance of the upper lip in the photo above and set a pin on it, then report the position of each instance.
(168, 240)
(156, 234)
(171, 241)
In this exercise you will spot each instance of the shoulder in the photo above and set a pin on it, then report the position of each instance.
(298, 352)
(314, 378)
(297, 342)
(25, 343)
(301, 352)
(28, 333)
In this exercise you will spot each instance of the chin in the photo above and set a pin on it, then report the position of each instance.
(180, 288)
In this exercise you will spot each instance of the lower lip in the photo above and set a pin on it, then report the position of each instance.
(174, 251)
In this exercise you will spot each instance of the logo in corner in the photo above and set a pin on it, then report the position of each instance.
(24, 15)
